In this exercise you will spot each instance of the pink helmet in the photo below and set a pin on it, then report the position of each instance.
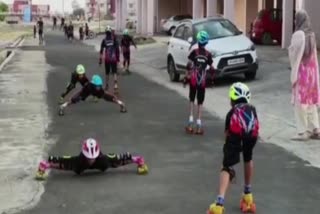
(90, 148)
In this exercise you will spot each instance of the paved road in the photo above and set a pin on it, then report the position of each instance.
(184, 170)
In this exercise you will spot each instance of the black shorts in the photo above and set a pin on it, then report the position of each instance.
(40, 32)
(236, 144)
(199, 91)
(111, 67)
(126, 56)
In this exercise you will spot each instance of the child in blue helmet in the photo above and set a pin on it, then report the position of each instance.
(199, 60)
(94, 88)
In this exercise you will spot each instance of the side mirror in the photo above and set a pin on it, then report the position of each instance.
(190, 40)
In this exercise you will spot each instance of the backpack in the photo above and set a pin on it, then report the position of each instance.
(198, 74)
(110, 50)
(244, 121)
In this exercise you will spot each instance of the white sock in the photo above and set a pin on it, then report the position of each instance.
(64, 105)
(199, 122)
(190, 119)
(120, 103)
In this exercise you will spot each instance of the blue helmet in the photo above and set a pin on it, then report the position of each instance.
(202, 37)
(96, 80)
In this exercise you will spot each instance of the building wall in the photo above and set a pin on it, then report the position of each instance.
(240, 14)
(252, 7)
(312, 7)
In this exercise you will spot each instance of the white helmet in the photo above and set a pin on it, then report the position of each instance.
(90, 148)
(239, 90)
(108, 28)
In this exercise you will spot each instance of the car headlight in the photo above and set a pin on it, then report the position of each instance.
(252, 47)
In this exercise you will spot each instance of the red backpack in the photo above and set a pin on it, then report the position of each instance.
(244, 121)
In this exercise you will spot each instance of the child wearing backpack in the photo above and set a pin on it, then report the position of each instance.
(196, 76)
(242, 131)
(111, 49)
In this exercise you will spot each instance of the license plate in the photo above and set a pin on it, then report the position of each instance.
(235, 61)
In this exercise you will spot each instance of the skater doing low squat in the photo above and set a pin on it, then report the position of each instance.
(199, 60)
(90, 158)
(79, 75)
(93, 88)
(242, 131)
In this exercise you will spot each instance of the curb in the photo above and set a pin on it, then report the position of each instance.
(11, 53)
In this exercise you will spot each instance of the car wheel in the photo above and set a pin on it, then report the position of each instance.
(171, 31)
(174, 77)
(250, 75)
(267, 39)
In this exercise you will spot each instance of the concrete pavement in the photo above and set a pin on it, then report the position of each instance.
(184, 169)
(271, 94)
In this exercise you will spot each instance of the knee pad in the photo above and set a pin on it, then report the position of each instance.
(231, 172)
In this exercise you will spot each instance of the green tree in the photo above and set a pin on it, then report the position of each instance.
(3, 8)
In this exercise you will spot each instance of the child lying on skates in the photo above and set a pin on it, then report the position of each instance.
(199, 58)
(79, 75)
(90, 158)
(242, 131)
(95, 89)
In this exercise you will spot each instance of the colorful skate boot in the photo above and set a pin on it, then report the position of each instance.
(41, 172)
(215, 209)
(142, 167)
(61, 111)
(189, 128)
(199, 130)
(246, 204)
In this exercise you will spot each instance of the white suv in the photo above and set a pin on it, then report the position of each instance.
(232, 52)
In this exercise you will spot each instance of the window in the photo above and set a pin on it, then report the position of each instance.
(217, 28)
(179, 32)
(181, 17)
(187, 32)
(276, 15)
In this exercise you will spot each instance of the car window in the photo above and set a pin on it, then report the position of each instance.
(187, 32)
(217, 28)
(181, 17)
(260, 14)
(179, 32)
(276, 15)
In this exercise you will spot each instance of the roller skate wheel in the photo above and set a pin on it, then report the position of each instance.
(142, 170)
(40, 176)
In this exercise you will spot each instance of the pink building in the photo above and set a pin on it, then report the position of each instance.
(18, 7)
(241, 12)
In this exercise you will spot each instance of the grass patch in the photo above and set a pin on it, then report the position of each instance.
(10, 33)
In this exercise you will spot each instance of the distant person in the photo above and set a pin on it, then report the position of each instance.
(62, 24)
(87, 30)
(81, 33)
(35, 31)
(54, 23)
(70, 31)
(40, 30)
(126, 43)
(305, 78)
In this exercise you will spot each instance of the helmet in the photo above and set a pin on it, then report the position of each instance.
(90, 148)
(96, 80)
(108, 29)
(80, 69)
(239, 90)
(202, 37)
(126, 32)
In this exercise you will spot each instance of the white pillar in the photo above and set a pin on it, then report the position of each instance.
(124, 14)
(144, 17)
(151, 17)
(197, 9)
(118, 15)
(139, 16)
(229, 10)
(287, 24)
(211, 8)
